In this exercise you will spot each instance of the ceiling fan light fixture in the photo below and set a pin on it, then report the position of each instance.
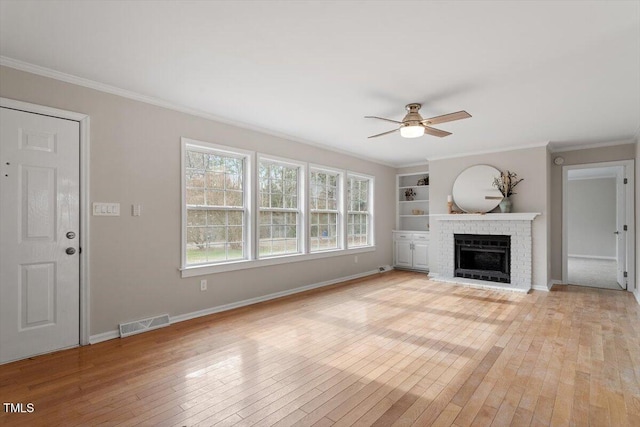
(412, 131)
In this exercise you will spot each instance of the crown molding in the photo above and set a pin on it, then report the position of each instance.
(553, 149)
(113, 90)
(491, 151)
(411, 165)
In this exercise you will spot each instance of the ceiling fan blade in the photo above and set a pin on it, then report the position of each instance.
(436, 132)
(447, 118)
(384, 133)
(382, 118)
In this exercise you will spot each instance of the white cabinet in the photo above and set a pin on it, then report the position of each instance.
(403, 254)
(411, 250)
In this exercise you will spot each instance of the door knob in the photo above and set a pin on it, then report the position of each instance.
(70, 251)
(616, 232)
(71, 235)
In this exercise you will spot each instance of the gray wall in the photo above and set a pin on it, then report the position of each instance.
(530, 164)
(591, 214)
(135, 158)
(576, 157)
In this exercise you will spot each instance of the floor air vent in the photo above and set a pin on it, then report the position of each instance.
(143, 325)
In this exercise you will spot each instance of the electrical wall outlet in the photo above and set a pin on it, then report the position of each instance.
(203, 285)
(136, 210)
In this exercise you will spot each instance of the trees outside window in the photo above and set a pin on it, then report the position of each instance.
(279, 208)
(215, 205)
(359, 210)
(324, 209)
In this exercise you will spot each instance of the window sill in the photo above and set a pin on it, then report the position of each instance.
(244, 264)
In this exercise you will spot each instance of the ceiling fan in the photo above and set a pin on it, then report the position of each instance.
(413, 125)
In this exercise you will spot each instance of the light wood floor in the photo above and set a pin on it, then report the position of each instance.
(394, 349)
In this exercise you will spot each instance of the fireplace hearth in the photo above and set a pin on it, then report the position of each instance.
(483, 257)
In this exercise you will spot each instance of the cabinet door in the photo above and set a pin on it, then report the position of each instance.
(421, 255)
(403, 253)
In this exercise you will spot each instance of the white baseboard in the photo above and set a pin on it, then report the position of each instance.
(608, 258)
(94, 339)
(105, 336)
(548, 287)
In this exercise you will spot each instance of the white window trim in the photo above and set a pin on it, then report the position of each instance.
(247, 188)
(371, 210)
(251, 195)
(302, 203)
(264, 262)
(342, 182)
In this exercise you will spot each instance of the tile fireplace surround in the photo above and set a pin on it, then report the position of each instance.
(516, 225)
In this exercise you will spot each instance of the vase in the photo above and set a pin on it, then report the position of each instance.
(505, 205)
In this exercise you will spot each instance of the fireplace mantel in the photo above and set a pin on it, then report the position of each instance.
(525, 216)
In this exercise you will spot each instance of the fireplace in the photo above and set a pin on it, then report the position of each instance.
(483, 257)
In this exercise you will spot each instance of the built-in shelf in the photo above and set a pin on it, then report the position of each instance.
(413, 186)
(405, 219)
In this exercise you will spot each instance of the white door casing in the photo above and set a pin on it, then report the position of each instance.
(40, 194)
(621, 233)
(628, 192)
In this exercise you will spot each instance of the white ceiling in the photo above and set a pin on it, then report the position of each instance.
(528, 72)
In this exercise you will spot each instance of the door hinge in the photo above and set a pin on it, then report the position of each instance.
(625, 181)
(624, 227)
(80, 250)
(624, 274)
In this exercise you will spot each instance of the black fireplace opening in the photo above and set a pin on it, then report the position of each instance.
(483, 257)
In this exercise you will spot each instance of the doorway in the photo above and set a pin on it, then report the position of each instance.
(598, 225)
(43, 287)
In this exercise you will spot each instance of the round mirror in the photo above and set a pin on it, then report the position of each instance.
(473, 191)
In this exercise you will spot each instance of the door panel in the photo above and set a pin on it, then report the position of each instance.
(403, 253)
(421, 255)
(39, 194)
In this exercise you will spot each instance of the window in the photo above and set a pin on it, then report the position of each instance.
(215, 203)
(280, 215)
(359, 214)
(324, 203)
(242, 209)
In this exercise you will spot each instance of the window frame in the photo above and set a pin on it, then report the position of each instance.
(247, 157)
(301, 211)
(251, 218)
(340, 206)
(370, 212)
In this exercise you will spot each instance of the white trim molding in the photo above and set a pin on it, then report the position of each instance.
(92, 84)
(85, 207)
(527, 216)
(226, 307)
(555, 148)
(629, 174)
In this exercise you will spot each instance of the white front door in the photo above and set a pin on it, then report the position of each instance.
(39, 234)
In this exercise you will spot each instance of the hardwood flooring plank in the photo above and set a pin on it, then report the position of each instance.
(391, 349)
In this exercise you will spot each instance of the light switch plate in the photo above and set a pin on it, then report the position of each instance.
(106, 209)
(136, 210)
